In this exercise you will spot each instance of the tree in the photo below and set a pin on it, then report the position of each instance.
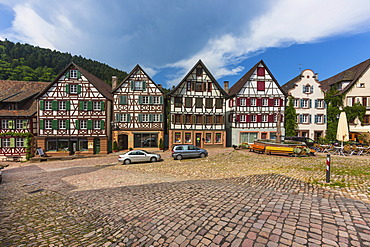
(290, 121)
(334, 102)
(355, 111)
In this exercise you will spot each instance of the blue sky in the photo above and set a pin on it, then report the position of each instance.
(167, 37)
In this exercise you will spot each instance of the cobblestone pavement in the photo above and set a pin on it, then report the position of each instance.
(90, 203)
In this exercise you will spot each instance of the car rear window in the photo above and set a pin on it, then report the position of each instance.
(179, 148)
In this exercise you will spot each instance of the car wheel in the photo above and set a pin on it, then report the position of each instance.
(127, 162)
(153, 159)
(202, 155)
(179, 157)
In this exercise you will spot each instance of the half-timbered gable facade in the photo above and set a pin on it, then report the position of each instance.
(74, 113)
(253, 105)
(138, 111)
(197, 110)
(309, 104)
(18, 122)
(353, 84)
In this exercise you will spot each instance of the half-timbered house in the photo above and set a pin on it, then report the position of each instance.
(138, 111)
(309, 104)
(197, 110)
(253, 108)
(74, 113)
(18, 118)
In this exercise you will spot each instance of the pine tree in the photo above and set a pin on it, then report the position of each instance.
(290, 122)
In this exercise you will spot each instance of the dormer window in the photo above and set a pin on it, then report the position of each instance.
(73, 73)
(199, 71)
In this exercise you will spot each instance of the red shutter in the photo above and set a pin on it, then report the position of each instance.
(270, 118)
(209, 86)
(259, 118)
(281, 102)
(271, 102)
(237, 101)
(259, 102)
(247, 101)
(248, 118)
(237, 118)
(260, 86)
(260, 71)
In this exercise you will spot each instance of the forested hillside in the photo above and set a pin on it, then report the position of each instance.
(25, 62)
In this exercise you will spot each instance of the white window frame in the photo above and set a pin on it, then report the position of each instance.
(296, 103)
(19, 124)
(304, 103)
(320, 103)
(305, 118)
(48, 105)
(156, 118)
(276, 102)
(145, 100)
(156, 100)
(253, 102)
(264, 118)
(73, 73)
(349, 101)
(62, 105)
(97, 124)
(138, 85)
(48, 124)
(6, 142)
(5, 124)
(96, 105)
(243, 101)
(83, 124)
(62, 124)
(19, 142)
(145, 118)
(265, 102)
(319, 119)
(73, 88)
(243, 118)
(253, 118)
(307, 89)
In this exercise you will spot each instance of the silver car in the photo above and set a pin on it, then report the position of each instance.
(188, 151)
(138, 156)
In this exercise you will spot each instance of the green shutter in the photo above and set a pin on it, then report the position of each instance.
(79, 89)
(78, 74)
(11, 124)
(161, 118)
(89, 105)
(161, 100)
(67, 88)
(144, 85)
(150, 117)
(118, 119)
(68, 105)
(123, 100)
(68, 124)
(140, 118)
(1, 140)
(128, 117)
(12, 142)
(54, 105)
(77, 124)
(132, 84)
(150, 99)
(102, 106)
(42, 105)
(89, 124)
(24, 124)
(102, 124)
(140, 99)
(81, 104)
(42, 124)
(67, 74)
(54, 124)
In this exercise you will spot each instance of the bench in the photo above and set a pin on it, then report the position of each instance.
(257, 148)
(279, 150)
(13, 158)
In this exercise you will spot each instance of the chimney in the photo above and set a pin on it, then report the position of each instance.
(114, 81)
(226, 86)
(160, 86)
(317, 76)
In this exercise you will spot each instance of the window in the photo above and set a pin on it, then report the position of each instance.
(304, 118)
(84, 105)
(265, 118)
(320, 103)
(145, 118)
(4, 124)
(138, 85)
(243, 118)
(208, 137)
(97, 124)
(145, 99)
(209, 103)
(19, 124)
(96, 105)
(178, 101)
(73, 88)
(219, 103)
(276, 102)
(122, 118)
(243, 101)
(319, 119)
(156, 117)
(296, 103)
(187, 137)
(265, 102)
(156, 100)
(177, 119)
(260, 86)
(218, 138)
(248, 137)
(73, 73)
(48, 105)
(199, 119)
(142, 140)
(253, 118)
(19, 142)
(304, 103)
(253, 101)
(48, 124)
(6, 142)
(198, 102)
(188, 102)
(83, 146)
(260, 71)
(199, 86)
(307, 89)
(62, 105)
(208, 119)
(177, 137)
(361, 85)
(199, 71)
(364, 101)
(62, 124)
(189, 86)
(218, 119)
(83, 124)
(188, 119)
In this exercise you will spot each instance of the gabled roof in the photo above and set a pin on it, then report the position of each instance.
(208, 73)
(352, 75)
(22, 92)
(99, 84)
(137, 67)
(239, 84)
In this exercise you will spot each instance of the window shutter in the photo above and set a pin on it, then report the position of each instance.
(89, 124)
(79, 89)
(78, 74)
(12, 142)
(81, 103)
(161, 100)
(281, 102)
(128, 118)
(161, 118)
(42, 126)
(140, 99)
(123, 100)
(67, 74)
(54, 124)
(237, 118)
(42, 105)
(237, 101)
(316, 119)
(102, 106)
(140, 118)
(301, 103)
(310, 103)
(271, 102)
(324, 119)
(311, 89)
(300, 118)
(259, 118)
(67, 88)
(259, 102)
(68, 105)
(118, 117)
(11, 124)
(231, 102)
(150, 117)
(68, 124)
(270, 118)
(102, 124)
(54, 105)
(310, 118)
(316, 103)
(24, 124)
(248, 118)
(144, 85)
(89, 105)
(132, 85)
(77, 124)
(150, 99)
(247, 101)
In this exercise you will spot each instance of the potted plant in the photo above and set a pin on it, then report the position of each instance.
(161, 144)
(115, 146)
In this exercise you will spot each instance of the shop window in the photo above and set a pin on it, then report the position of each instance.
(177, 137)
(218, 137)
(143, 140)
(208, 137)
(187, 137)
